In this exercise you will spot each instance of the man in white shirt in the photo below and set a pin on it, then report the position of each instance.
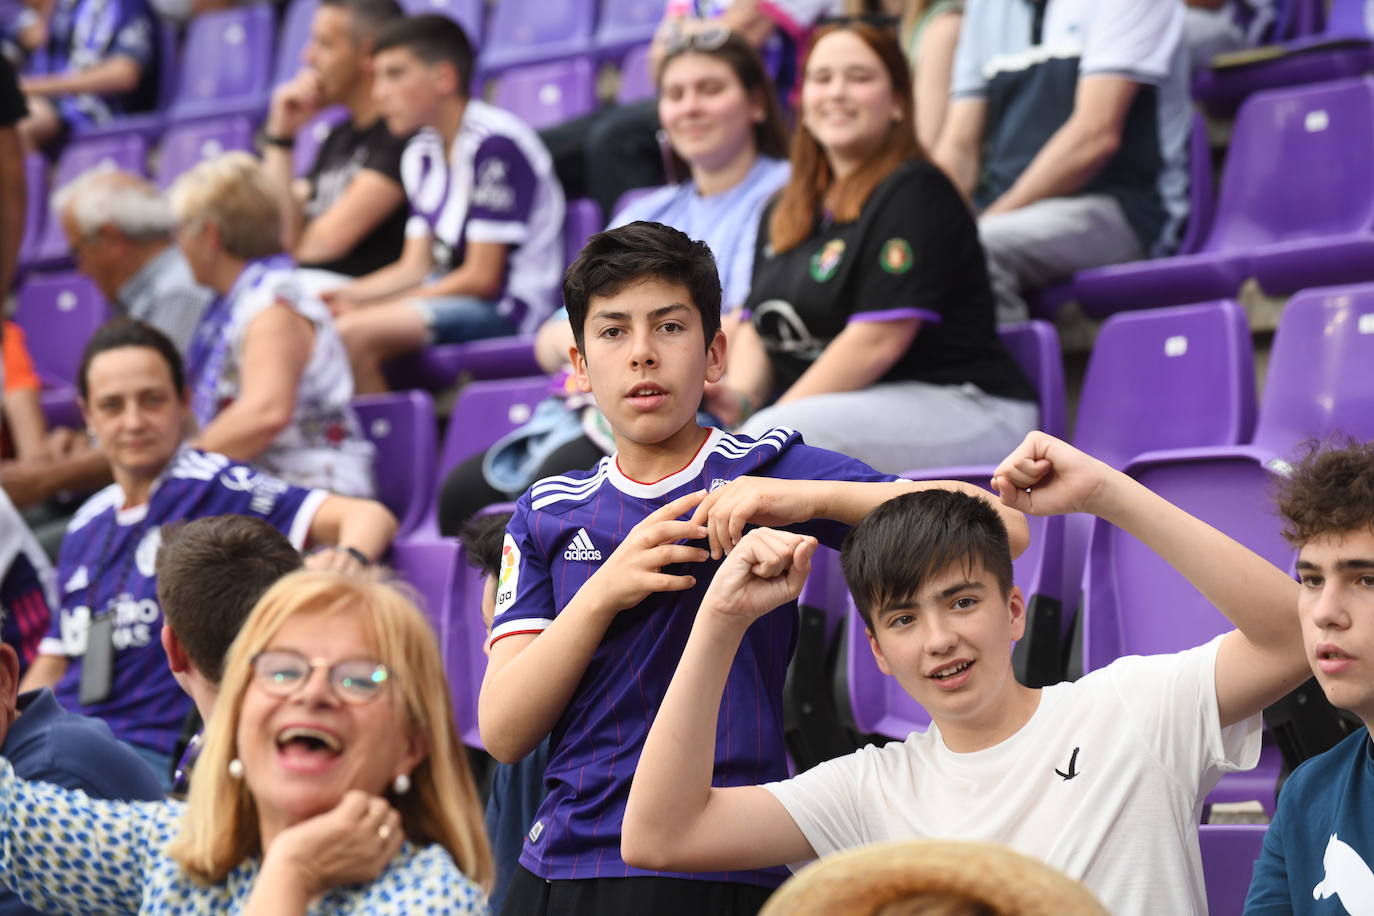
(1102, 778)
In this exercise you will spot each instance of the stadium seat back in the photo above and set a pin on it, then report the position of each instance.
(294, 36)
(35, 206)
(584, 220)
(1229, 852)
(1296, 169)
(1318, 384)
(1347, 19)
(402, 427)
(470, 14)
(543, 95)
(526, 31)
(636, 78)
(187, 143)
(128, 152)
(59, 313)
(486, 411)
(622, 23)
(227, 57)
(312, 136)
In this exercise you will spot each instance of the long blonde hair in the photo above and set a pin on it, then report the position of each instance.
(220, 827)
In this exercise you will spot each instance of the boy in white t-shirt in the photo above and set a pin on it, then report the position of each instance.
(1102, 778)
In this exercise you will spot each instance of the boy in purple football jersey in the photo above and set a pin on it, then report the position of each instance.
(599, 582)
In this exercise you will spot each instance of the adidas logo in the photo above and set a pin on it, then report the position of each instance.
(581, 548)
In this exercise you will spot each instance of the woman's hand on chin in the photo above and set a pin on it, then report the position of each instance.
(349, 844)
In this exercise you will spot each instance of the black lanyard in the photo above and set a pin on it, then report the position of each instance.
(1037, 21)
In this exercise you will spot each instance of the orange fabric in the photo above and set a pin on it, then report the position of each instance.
(19, 371)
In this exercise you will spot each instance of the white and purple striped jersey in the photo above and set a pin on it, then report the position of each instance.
(107, 566)
(563, 529)
(496, 184)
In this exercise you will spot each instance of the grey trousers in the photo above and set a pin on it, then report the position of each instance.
(903, 426)
(1049, 240)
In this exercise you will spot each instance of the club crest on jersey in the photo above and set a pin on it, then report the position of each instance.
(509, 574)
(896, 256)
(825, 262)
(581, 548)
(145, 557)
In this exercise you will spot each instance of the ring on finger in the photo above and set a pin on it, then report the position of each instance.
(384, 832)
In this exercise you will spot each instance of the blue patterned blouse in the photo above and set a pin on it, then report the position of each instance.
(64, 852)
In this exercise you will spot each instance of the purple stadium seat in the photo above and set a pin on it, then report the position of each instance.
(877, 703)
(294, 36)
(403, 429)
(467, 13)
(636, 80)
(187, 143)
(625, 23)
(226, 64)
(59, 313)
(311, 136)
(531, 31)
(438, 573)
(441, 365)
(1342, 49)
(122, 151)
(1296, 206)
(583, 221)
(484, 412)
(1229, 852)
(543, 95)
(35, 206)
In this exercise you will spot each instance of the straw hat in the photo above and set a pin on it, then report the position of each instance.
(859, 881)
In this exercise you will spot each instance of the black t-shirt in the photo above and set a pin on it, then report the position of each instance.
(344, 153)
(13, 108)
(912, 253)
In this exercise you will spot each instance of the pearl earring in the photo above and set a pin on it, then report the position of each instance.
(236, 768)
(401, 784)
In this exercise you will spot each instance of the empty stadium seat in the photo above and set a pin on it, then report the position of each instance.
(484, 412)
(532, 31)
(403, 429)
(59, 312)
(583, 221)
(294, 36)
(226, 64)
(622, 24)
(636, 80)
(35, 206)
(122, 151)
(187, 143)
(312, 135)
(543, 95)
(1296, 206)
(470, 14)
(1229, 852)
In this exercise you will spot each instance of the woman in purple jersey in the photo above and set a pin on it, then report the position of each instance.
(332, 781)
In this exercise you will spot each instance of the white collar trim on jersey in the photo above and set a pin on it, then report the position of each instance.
(631, 487)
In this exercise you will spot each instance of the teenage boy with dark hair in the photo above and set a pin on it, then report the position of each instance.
(484, 243)
(1321, 842)
(517, 789)
(1102, 778)
(599, 584)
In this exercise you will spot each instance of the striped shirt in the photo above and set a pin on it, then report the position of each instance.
(26, 585)
(563, 529)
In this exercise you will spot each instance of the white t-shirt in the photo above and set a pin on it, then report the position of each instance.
(1105, 782)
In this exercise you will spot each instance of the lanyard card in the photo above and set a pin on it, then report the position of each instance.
(97, 667)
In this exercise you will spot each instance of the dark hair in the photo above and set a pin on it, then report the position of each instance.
(794, 215)
(368, 17)
(619, 258)
(1330, 491)
(909, 538)
(482, 537)
(210, 574)
(129, 332)
(434, 39)
(770, 136)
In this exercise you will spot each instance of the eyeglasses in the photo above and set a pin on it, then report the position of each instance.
(710, 39)
(282, 672)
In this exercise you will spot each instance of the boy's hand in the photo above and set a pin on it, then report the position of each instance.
(633, 571)
(757, 500)
(766, 569)
(1045, 476)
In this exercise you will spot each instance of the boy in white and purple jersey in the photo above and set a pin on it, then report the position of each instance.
(484, 243)
(600, 579)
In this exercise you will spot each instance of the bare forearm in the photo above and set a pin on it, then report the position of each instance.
(551, 345)
(45, 671)
(369, 528)
(280, 170)
(858, 357)
(243, 430)
(277, 892)
(960, 161)
(748, 368)
(522, 699)
(1064, 165)
(672, 783)
(109, 77)
(389, 281)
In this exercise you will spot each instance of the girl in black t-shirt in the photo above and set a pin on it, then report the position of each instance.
(872, 321)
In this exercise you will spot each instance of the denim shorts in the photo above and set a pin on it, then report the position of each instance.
(455, 319)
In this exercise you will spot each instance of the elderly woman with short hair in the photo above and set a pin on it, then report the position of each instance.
(332, 781)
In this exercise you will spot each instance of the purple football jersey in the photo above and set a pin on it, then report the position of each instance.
(107, 566)
(563, 529)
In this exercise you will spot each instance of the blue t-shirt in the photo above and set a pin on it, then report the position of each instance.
(562, 530)
(49, 744)
(107, 566)
(727, 222)
(1318, 855)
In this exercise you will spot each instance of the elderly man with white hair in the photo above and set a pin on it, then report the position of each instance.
(120, 231)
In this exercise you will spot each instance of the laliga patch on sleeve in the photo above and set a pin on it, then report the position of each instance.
(509, 576)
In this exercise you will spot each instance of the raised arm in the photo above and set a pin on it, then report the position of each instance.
(364, 525)
(675, 819)
(1258, 663)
